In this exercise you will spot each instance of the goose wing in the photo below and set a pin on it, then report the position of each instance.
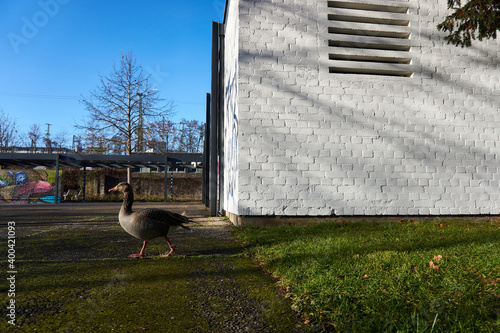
(164, 216)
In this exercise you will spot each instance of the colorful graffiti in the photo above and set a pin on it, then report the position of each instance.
(29, 186)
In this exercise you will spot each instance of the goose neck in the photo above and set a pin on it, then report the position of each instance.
(128, 200)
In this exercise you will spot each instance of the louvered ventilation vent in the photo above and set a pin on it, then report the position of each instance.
(369, 37)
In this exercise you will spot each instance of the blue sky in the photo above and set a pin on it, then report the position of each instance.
(52, 52)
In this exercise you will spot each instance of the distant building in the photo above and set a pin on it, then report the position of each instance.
(40, 150)
(356, 107)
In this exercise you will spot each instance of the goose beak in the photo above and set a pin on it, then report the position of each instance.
(113, 189)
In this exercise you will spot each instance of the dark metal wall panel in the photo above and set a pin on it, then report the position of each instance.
(213, 163)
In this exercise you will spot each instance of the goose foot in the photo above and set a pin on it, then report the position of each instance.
(172, 249)
(140, 254)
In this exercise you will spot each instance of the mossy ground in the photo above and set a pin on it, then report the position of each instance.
(175, 295)
(73, 275)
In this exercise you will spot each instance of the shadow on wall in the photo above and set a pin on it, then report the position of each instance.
(27, 186)
(389, 143)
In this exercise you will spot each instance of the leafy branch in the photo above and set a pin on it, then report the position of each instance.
(477, 19)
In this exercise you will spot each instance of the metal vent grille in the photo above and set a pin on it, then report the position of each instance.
(369, 37)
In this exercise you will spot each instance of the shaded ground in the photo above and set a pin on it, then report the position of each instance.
(73, 275)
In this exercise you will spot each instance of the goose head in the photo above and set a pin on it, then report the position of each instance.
(122, 187)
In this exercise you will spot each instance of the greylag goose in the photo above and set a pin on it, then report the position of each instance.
(148, 223)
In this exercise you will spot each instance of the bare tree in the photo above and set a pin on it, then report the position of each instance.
(8, 132)
(93, 142)
(191, 136)
(165, 136)
(162, 136)
(60, 140)
(34, 136)
(121, 105)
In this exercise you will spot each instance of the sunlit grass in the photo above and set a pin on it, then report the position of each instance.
(378, 276)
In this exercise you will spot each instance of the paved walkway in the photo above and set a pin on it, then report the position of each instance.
(221, 289)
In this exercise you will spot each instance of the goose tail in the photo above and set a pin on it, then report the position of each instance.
(186, 228)
(181, 220)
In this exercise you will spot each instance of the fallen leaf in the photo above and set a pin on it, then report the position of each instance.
(440, 225)
(432, 265)
(486, 281)
(438, 257)
(365, 276)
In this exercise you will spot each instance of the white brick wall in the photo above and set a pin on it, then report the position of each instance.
(231, 128)
(303, 141)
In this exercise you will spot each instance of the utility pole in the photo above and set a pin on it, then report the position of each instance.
(76, 145)
(48, 144)
(165, 130)
(181, 139)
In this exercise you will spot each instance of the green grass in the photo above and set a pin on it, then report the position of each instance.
(374, 276)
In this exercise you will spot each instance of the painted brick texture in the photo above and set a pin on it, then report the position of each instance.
(311, 142)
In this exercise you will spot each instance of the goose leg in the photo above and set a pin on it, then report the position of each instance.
(140, 254)
(172, 248)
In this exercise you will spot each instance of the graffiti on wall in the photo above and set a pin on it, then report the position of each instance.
(27, 186)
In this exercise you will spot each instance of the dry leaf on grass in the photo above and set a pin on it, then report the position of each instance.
(432, 265)
(487, 281)
(438, 257)
(407, 221)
